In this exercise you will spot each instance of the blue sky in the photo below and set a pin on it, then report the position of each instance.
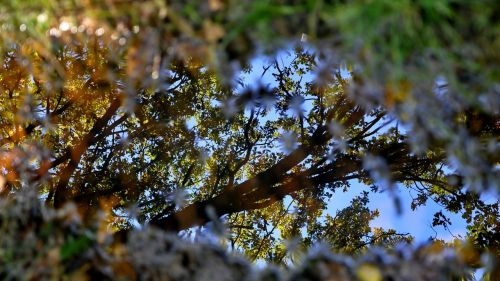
(418, 223)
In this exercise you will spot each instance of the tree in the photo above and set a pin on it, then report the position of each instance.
(140, 114)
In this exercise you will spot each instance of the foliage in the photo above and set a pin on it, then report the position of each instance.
(123, 113)
(40, 243)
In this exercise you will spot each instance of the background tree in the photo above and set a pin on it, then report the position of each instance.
(138, 112)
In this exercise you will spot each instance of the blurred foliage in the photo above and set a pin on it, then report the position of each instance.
(120, 113)
(40, 243)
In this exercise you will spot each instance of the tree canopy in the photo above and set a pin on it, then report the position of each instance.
(130, 118)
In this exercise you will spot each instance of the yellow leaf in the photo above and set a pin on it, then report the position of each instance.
(368, 272)
(212, 31)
